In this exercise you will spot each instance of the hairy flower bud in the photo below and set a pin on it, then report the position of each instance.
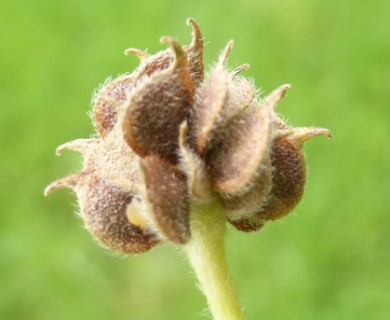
(169, 137)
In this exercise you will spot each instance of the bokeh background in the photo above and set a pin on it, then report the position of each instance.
(330, 259)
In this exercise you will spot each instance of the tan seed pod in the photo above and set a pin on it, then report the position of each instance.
(169, 140)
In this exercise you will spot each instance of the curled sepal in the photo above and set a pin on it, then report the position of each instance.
(142, 55)
(168, 199)
(239, 69)
(299, 136)
(84, 146)
(66, 182)
(103, 207)
(109, 101)
(271, 101)
(195, 53)
(157, 108)
(235, 160)
(275, 96)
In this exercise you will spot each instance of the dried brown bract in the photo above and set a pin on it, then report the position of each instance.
(167, 138)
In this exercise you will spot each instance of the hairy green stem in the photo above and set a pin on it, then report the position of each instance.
(206, 252)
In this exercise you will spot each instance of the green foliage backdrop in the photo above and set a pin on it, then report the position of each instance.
(330, 259)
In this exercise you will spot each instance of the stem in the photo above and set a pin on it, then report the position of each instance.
(206, 252)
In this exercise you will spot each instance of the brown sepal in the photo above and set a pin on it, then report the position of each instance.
(244, 204)
(155, 110)
(222, 97)
(168, 198)
(103, 208)
(195, 53)
(287, 187)
(108, 102)
(235, 160)
(288, 180)
(210, 102)
(288, 177)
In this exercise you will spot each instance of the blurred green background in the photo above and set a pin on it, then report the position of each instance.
(330, 259)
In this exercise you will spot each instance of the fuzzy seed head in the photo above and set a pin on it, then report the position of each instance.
(170, 136)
